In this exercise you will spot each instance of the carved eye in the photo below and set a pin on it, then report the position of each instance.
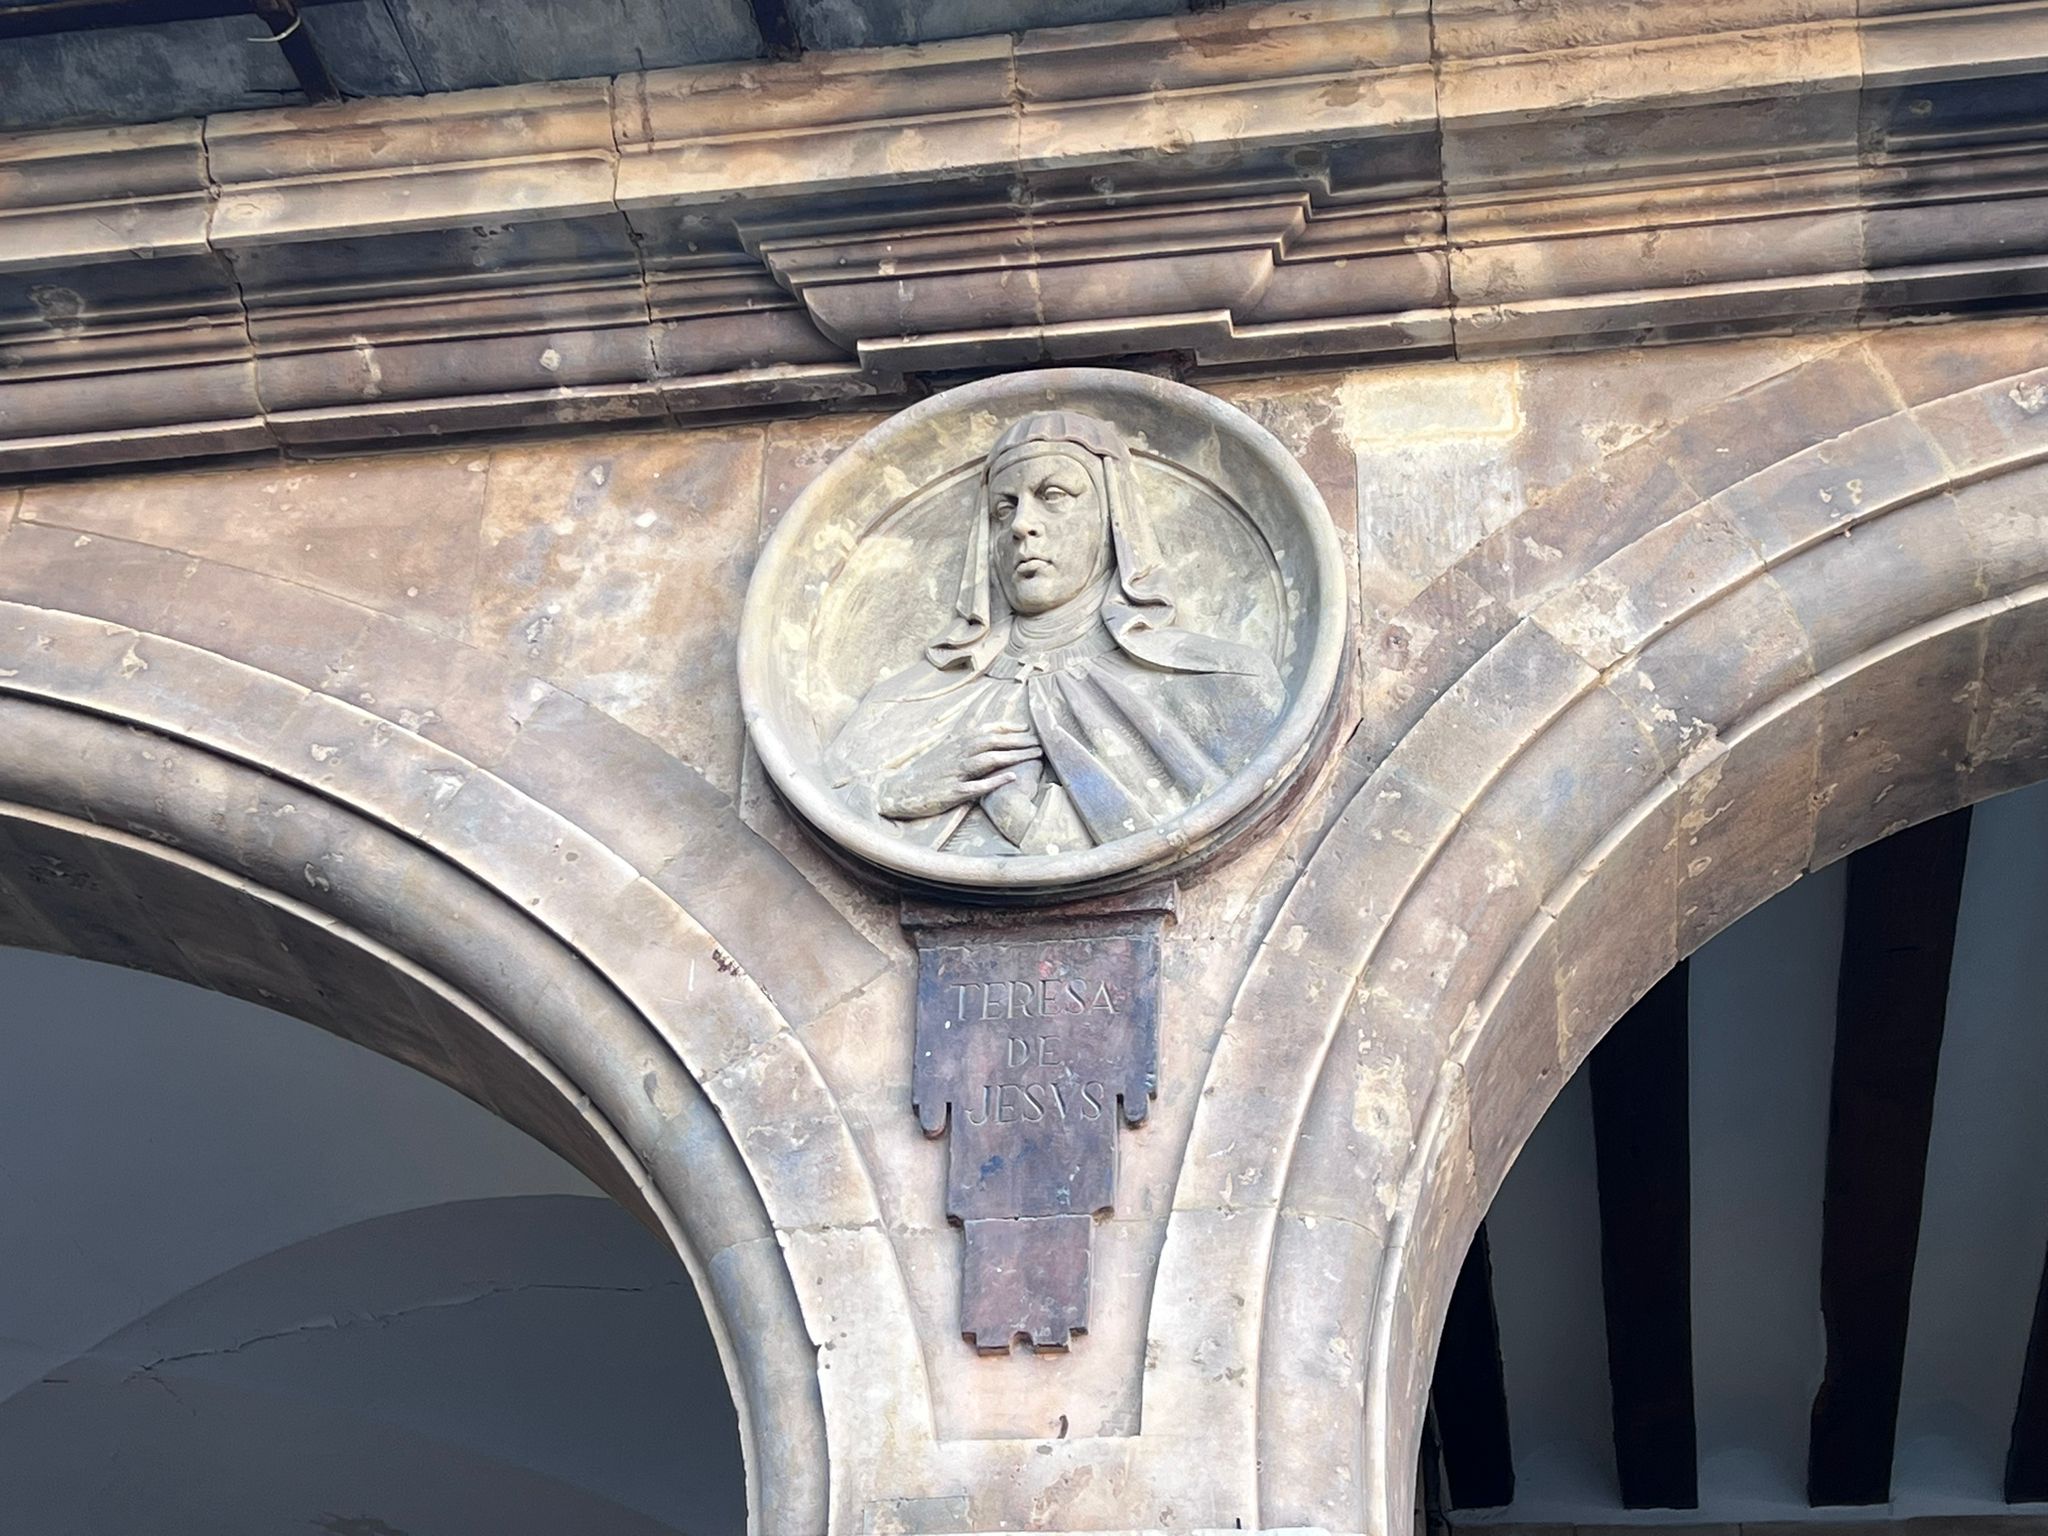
(1005, 505)
(1054, 493)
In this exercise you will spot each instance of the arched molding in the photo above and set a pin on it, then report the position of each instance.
(1774, 630)
(1626, 719)
(1499, 1079)
(602, 992)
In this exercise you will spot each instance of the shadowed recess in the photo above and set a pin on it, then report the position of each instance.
(1469, 1397)
(1892, 1004)
(1641, 1133)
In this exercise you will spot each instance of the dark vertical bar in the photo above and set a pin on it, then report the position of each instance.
(1642, 1148)
(779, 36)
(1434, 1518)
(1469, 1395)
(2026, 1458)
(288, 31)
(1891, 1005)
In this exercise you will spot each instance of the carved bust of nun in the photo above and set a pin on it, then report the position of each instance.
(1061, 707)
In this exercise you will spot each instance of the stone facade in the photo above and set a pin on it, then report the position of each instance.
(1246, 186)
(443, 751)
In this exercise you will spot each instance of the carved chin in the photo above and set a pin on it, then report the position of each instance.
(1039, 592)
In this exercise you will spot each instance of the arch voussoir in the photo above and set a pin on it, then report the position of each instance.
(1850, 708)
(309, 960)
(1755, 680)
(295, 789)
(2008, 746)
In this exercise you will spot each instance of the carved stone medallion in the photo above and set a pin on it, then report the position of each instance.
(1044, 636)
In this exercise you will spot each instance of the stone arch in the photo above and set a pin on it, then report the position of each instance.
(488, 937)
(1547, 1006)
(1623, 721)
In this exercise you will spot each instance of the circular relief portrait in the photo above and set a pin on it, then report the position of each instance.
(1044, 634)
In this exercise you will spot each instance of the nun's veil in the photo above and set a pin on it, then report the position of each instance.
(1137, 609)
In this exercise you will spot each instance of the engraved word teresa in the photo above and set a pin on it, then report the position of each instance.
(1032, 1049)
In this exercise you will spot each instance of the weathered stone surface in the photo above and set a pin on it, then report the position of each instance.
(1616, 931)
(1580, 524)
(1746, 821)
(1707, 675)
(2008, 742)
(2005, 421)
(1892, 741)
(87, 332)
(75, 893)
(1089, 662)
(448, 693)
(1636, 595)
(1292, 1002)
(2005, 520)
(1515, 689)
(1412, 654)
(1857, 590)
(99, 192)
(544, 145)
(687, 838)
(1588, 773)
(395, 535)
(1323, 1367)
(1443, 1178)
(1928, 362)
(796, 453)
(624, 570)
(132, 584)
(1346, 179)
(1563, 774)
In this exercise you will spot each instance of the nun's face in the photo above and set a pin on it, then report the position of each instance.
(1048, 527)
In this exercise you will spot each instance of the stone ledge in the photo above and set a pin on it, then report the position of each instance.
(1237, 189)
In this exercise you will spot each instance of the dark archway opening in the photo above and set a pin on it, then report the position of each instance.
(1777, 1255)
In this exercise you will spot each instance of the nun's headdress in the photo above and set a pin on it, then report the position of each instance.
(1138, 607)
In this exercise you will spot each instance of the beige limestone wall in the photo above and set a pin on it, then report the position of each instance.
(1637, 638)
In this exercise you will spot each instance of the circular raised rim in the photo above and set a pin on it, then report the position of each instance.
(1157, 851)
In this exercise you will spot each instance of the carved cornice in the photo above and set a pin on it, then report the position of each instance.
(1346, 178)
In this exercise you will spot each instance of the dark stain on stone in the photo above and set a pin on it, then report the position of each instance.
(1394, 647)
(61, 308)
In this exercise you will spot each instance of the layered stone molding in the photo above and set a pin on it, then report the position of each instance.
(443, 750)
(1338, 179)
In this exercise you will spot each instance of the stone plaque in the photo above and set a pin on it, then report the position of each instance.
(1034, 1042)
(1044, 636)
